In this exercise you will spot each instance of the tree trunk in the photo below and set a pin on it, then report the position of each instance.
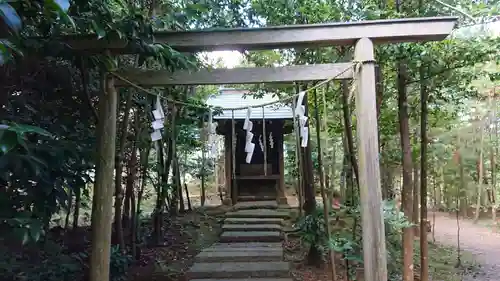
(494, 154)
(346, 175)
(463, 184)
(379, 89)
(133, 221)
(298, 158)
(168, 165)
(407, 194)
(424, 247)
(416, 201)
(308, 180)
(178, 184)
(322, 186)
(481, 175)
(118, 173)
(102, 203)
(68, 209)
(76, 211)
(329, 171)
(132, 170)
(126, 205)
(313, 256)
(348, 129)
(434, 210)
(202, 170)
(144, 173)
(440, 194)
(389, 183)
(129, 191)
(158, 212)
(174, 207)
(190, 208)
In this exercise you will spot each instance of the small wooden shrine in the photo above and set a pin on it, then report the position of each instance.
(263, 176)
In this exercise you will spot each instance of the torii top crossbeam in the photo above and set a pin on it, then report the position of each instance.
(315, 35)
(290, 36)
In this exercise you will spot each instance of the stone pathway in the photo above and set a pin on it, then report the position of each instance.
(476, 239)
(250, 247)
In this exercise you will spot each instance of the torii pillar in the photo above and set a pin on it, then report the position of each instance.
(375, 262)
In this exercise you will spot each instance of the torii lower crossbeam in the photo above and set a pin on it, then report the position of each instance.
(244, 75)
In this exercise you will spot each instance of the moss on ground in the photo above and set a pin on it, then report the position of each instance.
(443, 263)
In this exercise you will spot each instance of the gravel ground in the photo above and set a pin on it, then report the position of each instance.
(481, 241)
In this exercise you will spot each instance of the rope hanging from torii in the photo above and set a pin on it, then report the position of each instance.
(355, 66)
(299, 109)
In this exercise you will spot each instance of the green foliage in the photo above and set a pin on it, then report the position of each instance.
(32, 191)
(312, 229)
(347, 240)
(54, 264)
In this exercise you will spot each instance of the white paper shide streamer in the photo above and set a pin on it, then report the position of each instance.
(300, 111)
(249, 146)
(271, 140)
(159, 119)
(211, 132)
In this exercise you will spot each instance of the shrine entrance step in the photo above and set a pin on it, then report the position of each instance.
(250, 247)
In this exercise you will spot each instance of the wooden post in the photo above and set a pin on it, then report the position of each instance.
(281, 165)
(264, 136)
(375, 256)
(298, 161)
(234, 140)
(102, 207)
(227, 168)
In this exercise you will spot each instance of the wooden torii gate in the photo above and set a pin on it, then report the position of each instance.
(363, 35)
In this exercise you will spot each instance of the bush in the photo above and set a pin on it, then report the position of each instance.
(348, 239)
(52, 264)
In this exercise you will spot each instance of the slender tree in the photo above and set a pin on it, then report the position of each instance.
(424, 247)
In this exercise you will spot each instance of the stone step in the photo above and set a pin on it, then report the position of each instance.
(258, 213)
(251, 227)
(235, 270)
(244, 248)
(271, 246)
(250, 236)
(246, 198)
(253, 221)
(246, 279)
(249, 205)
(239, 256)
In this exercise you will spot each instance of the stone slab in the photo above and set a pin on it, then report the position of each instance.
(258, 213)
(216, 270)
(239, 256)
(246, 279)
(246, 198)
(242, 247)
(249, 245)
(250, 236)
(249, 205)
(253, 221)
(251, 227)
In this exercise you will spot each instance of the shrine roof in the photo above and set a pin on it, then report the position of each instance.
(233, 98)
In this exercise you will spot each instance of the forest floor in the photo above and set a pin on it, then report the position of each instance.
(186, 236)
(481, 241)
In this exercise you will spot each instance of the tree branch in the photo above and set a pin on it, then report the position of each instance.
(457, 10)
